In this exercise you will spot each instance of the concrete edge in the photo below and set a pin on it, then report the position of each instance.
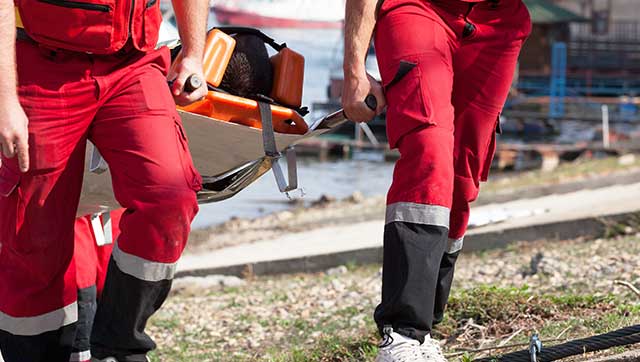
(592, 227)
(630, 356)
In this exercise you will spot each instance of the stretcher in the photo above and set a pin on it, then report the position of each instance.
(229, 156)
(233, 140)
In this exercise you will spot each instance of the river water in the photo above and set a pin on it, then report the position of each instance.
(336, 178)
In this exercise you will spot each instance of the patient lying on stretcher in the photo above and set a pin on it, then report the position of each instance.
(249, 72)
(252, 76)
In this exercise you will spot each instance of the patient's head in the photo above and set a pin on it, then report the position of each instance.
(249, 71)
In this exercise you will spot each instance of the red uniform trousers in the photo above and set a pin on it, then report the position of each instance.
(92, 252)
(442, 116)
(123, 105)
(94, 239)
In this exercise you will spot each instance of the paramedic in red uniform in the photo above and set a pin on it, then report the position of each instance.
(94, 236)
(88, 70)
(446, 68)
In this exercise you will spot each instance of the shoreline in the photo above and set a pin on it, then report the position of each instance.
(327, 211)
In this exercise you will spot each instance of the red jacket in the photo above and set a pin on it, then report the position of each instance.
(92, 26)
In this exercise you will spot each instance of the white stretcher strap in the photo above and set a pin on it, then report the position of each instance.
(98, 231)
(106, 226)
(102, 228)
(97, 164)
(271, 151)
(292, 167)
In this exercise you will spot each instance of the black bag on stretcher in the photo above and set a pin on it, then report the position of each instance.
(243, 127)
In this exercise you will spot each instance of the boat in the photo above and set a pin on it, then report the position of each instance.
(310, 14)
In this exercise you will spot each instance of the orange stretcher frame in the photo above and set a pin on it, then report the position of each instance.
(229, 108)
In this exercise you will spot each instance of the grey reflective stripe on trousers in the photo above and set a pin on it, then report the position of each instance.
(80, 356)
(142, 269)
(33, 326)
(418, 214)
(454, 245)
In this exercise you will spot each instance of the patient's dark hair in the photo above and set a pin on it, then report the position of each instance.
(249, 71)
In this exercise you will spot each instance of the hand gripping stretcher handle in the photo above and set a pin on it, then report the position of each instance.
(192, 83)
(371, 102)
(334, 119)
(339, 117)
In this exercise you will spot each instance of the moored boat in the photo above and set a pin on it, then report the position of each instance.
(310, 14)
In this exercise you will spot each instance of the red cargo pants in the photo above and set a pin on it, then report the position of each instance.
(123, 105)
(442, 116)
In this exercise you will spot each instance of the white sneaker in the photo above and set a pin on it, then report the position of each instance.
(398, 348)
(431, 350)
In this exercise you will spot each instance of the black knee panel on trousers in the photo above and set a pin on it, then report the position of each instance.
(45, 347)
(443, 288)
(87, 305)
(412, 258)
(125, 306)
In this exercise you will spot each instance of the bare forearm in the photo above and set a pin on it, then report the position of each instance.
(359, 23)
(191, 16)
(7, 43)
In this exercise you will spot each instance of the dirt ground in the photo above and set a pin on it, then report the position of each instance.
(559, 289)
(562, 290)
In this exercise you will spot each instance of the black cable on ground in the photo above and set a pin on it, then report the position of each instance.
(622, 337)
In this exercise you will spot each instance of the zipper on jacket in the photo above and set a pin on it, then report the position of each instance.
(133, 8)
(470, 7)
(150, 3)
(469, 28)
(78, 5)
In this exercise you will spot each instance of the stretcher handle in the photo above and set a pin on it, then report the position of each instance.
(371, 102)
(192, 83)
(338, 117)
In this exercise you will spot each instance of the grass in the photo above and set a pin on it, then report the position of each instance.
(330, 349)
(504, 311)
(321, 317)
(499, 311)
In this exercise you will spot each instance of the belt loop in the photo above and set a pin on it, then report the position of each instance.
(48, 52)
